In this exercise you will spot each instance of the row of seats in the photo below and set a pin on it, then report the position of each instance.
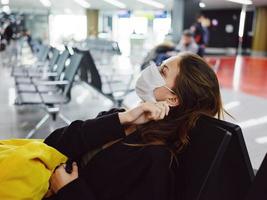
(114, 89)
(49, 81)
(102, 45)
(215, 164)
(51, 90)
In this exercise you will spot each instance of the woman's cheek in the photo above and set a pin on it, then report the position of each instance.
(160, 94)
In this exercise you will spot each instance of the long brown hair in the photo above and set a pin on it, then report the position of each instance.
(198, 92)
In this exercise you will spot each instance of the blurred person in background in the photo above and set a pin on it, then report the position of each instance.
(201, 33)
(187, 43)
(8, 31)
(158, 54)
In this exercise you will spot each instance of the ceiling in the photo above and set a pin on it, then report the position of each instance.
(71, 6)
(219, 4)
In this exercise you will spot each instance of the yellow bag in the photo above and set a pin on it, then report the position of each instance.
(25, 168)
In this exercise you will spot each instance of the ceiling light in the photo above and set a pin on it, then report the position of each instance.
(152, 3)
(46, 3)
(4, 2)
(116, 3)
(246, 2)
(83, 3)
(242, 22)
(202, 5)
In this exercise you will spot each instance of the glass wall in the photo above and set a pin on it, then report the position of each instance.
(65, 28)
(37, 24)
(135, 29)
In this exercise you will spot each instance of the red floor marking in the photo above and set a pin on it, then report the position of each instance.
(252, 74)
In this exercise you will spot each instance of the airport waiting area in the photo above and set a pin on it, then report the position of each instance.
(133, 99)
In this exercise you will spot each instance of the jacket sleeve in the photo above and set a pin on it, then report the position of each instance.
(82, 136)
(111, 111)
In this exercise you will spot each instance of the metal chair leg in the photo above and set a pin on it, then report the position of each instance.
(38, 125)
(44, 120)
(65, 119)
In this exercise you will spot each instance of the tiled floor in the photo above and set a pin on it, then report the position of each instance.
(244, 91)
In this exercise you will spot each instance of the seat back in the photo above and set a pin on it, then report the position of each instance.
(103, 45)
(35, 45)
(200, 160)
(61, 63)
(53, 60)
(43, 53)
(71, 71)
(39, 50)
(235, 173)
(89, 71)
(258, 189)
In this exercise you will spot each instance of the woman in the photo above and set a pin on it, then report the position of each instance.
(139, 146)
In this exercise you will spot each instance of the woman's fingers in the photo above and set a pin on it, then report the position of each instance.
(152, 111)
(163, 111)
(159, 111)
(60, 177)
(156, 111)
(74, 168)
(166, 107)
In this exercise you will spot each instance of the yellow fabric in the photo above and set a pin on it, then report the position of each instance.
(25, 168)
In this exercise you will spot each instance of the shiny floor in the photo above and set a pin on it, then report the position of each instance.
(243, 83)
(245, 74)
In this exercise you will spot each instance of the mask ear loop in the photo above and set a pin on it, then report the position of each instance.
(170, 90)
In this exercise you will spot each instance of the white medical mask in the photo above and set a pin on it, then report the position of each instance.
(149, 79)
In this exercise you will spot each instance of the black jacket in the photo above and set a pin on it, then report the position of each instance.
(120, 172)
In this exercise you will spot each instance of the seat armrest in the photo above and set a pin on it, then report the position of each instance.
(52, 83)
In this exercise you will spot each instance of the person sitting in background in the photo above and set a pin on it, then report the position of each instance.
(201, 33)
(158, 54)
(187, 42)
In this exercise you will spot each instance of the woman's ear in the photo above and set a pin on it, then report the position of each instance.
(173, 101)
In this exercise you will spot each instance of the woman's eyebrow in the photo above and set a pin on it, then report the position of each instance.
(166, 66)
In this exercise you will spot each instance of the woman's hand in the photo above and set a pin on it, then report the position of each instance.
(49, 193)
(60, 177)
(145, 112)
(153, 111)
